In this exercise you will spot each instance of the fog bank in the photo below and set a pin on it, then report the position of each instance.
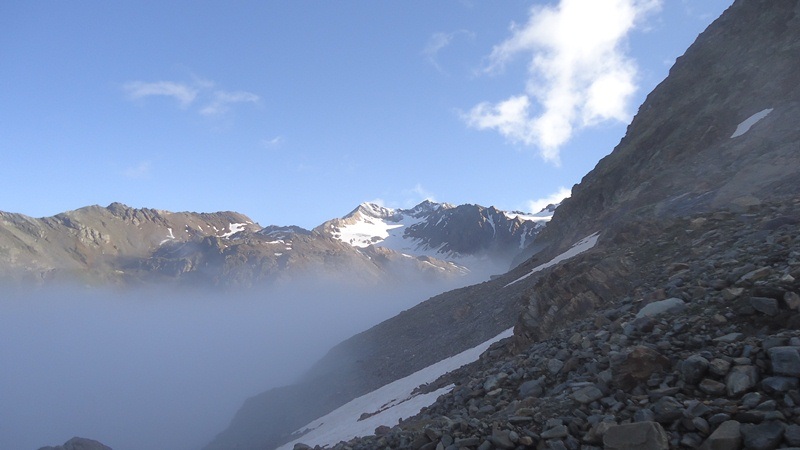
(164, 369)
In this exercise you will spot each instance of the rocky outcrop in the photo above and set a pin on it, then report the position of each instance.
(78, 443)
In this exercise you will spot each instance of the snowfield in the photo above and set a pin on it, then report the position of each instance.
(386, 405)
(576, 249)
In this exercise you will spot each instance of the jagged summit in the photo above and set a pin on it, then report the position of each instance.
(428, 207)
(370, 209)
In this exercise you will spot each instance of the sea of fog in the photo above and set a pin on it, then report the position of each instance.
(164, 369)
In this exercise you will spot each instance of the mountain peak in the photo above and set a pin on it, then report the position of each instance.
(370, 209)
(427, 207)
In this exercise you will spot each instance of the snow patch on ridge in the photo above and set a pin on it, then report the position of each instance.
(576, 249)
(234, 228)
(170, 237)
(540, 217)
(744, 127)
(388, 404)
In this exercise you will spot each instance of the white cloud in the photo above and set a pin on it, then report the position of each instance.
(578, 72)
(537, 205)
(222, 100)
(139, 171)
(183, 93)
(439, 41)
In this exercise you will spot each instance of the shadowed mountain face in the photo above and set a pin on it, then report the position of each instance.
(124, 246)
(719, 134)
(678, 154)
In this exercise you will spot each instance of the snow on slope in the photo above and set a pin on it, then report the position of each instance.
(234, 228)
(576, 249)
(542, 216)
(744, 127)
(385, 227)
(388, 404)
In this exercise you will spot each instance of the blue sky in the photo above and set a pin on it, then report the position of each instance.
(296, 112)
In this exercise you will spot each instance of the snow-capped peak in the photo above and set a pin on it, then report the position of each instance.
(372, 210)
(437, 230)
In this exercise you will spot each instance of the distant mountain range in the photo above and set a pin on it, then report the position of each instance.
(120, 245)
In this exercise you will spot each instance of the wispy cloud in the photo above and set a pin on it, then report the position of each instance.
(416, 195)
(183, 93)
(439, 41)
(214, 101)
(537, 205)
(272, 143)
(579, 74)
(221, 101)
(139, 171)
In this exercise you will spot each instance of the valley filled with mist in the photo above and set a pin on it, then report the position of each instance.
(163, 367)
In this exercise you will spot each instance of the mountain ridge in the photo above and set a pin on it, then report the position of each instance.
(120, 245)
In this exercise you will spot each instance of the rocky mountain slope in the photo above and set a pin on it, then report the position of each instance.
(675, 330)
(126, 246)
(701, 351)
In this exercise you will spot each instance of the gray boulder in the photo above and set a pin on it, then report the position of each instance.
(785, 361)
(636, 436)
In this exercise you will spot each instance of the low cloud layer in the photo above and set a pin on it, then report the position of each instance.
(166, 369)
(579, 73)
